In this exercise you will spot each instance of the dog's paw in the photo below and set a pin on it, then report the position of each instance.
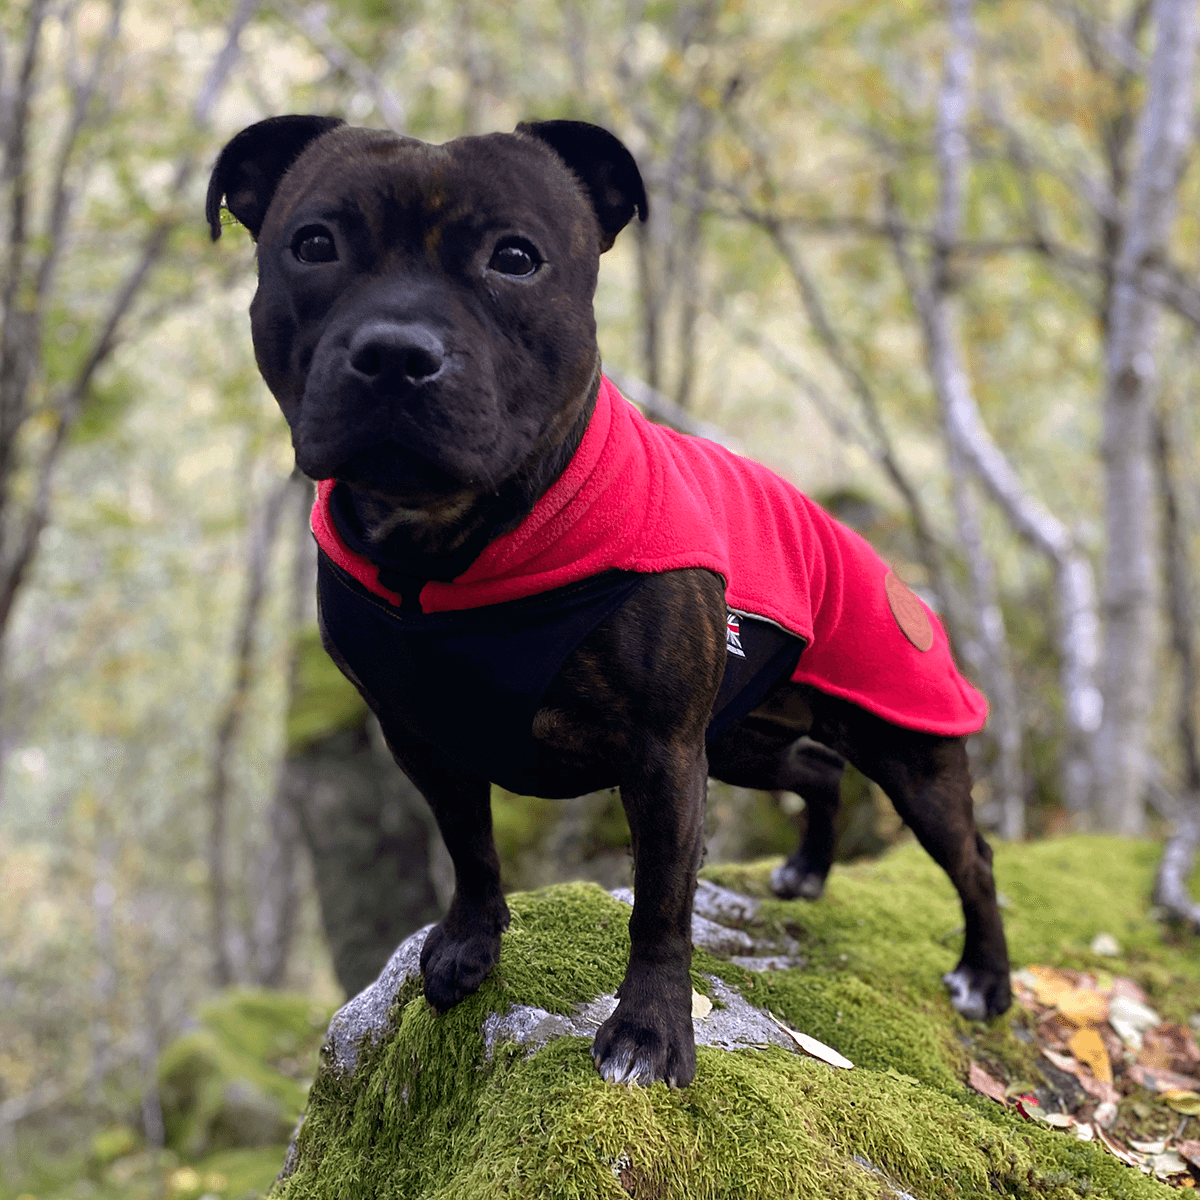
(790, 881)
(640, 1047)
(454, 967)
(976, 993)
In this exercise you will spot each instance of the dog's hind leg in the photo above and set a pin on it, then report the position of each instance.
(928, 781)
(772, 759)
(464, 946)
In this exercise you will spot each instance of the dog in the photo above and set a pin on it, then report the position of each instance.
(532, 585)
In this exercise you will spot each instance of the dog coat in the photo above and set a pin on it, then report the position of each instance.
(476, 654)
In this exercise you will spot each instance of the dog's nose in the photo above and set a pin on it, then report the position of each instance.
(386, 354)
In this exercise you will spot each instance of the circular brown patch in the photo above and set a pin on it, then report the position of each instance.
(909, 612)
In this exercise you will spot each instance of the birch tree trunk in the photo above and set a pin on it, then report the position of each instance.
(1164, 136)
(1078, 621)
(935, 302)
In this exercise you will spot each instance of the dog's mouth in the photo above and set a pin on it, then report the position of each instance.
(406, 478)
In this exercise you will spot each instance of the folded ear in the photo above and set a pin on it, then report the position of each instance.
(602, 164)
(250, 167)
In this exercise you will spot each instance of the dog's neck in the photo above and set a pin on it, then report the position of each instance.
(442, 539)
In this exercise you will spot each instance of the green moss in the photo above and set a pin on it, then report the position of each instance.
(240, 1078)
(427, 1114)
(324, 701)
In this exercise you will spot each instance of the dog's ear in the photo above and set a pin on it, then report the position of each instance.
(250, 167)
(604, 167)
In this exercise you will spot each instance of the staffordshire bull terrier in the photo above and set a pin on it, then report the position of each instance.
(532, 585)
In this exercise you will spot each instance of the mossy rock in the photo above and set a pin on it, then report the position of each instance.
(240, 1078)
(410, 1104)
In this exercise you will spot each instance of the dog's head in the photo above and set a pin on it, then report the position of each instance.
(424, 313)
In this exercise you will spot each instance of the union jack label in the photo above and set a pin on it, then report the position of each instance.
(733, 634)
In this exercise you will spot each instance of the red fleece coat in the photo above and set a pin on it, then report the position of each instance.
(640, 497)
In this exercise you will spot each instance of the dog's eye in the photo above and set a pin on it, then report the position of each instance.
(314, 244)
(515, 256)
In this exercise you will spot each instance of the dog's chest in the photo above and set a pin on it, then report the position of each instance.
(469, 683)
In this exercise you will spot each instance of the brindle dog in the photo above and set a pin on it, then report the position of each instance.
(424, 319)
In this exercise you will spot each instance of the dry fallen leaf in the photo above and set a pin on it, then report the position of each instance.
(1088, 1048)
(1186, 1102)
(1131, 1018)
(1156, 1079)
(1048, 984)
(701, 1005)
(1190, 1150)
(1083, 1007)
(810, 1045)
(1115, 1147)
(1167, 1164)
(985, 1085)
(1059, 1120)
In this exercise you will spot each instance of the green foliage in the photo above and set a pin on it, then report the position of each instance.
(427, 1113)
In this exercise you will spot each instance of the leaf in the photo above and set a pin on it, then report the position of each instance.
(1059, 1120)
(1115, 1147)
(984, 1084)
(701, 1005)
(1167, 1164)
(1088, 1048)
(1130, 1019)
(1047, 984)
(810, 1045)
(1181, 1101)
(1156, 1079)
(1083, 1006)
(1190, 1150)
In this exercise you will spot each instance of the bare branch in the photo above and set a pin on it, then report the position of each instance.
(312, 21)
(61, 197)
(1103, 43)
(665, 411)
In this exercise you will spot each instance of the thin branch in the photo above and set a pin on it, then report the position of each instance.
(312, 21)
(69, 401)
(62, 199)
(665, 411)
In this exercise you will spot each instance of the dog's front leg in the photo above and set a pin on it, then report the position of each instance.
(464, 946)
(649, 1036)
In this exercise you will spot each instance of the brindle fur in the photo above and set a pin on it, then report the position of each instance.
(449, 400)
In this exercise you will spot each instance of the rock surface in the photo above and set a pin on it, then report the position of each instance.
(499, 1096)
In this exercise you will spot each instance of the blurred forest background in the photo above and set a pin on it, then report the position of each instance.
(937, 264)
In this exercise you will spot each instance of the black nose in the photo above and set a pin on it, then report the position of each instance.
(391, 355)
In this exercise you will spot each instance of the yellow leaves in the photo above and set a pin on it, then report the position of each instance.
(1083, 1007)
(1088, 1047)
(1080, 1004)
(701, 1005)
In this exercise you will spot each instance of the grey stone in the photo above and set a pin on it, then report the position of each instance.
(767, 962)
(737, 1025)
(366, 1015)
(723, 905)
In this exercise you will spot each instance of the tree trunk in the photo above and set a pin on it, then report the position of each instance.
(370, 844)
(952, 385)
(1164, 136)
(264, 525)
(1179, 854)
